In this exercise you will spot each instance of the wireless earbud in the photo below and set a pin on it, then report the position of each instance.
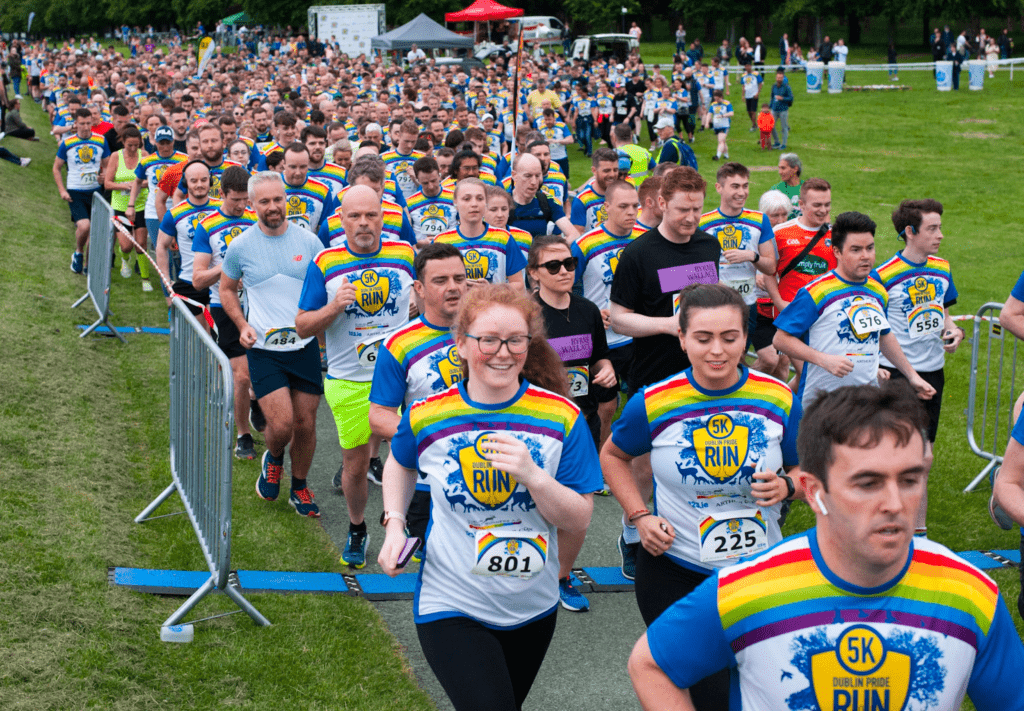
(821, 504)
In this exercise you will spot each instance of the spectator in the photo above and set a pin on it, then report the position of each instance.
(8, 156)
(415, 55)
(680, 40)
(782, 99)
(840, 51)
(635, 32)
(760, 52)
(14, 126)
(744, 52)
(784, 48)
(1005, 44)
(992, 55)
(894, 74)
(825, 50)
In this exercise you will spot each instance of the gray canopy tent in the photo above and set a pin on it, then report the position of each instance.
(424, 33)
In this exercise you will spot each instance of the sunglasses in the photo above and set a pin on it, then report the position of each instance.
(555, 265)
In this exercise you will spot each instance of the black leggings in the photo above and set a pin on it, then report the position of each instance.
(481, 668)
(660, 583)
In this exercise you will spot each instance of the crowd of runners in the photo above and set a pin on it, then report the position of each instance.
(406, 243)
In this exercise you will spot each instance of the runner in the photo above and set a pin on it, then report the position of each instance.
(795, 621)
(575, 329)
(587, 207)
(119, 179)
(148, 175)
(330, 174)
(368, 170)
(272, 258)
(490, 254)
(310, 202)
(837, 324)
(718, 434)
(420, 359)
(431, 208)
(85, 155)
(179, 227)
(356, 293)
(485, 633)
(400, 160)
(212, 238)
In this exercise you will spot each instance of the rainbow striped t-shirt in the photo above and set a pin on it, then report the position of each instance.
(803, 638)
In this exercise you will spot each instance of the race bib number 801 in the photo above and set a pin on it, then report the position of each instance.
(511, 554)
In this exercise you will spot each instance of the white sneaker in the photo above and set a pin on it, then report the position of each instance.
(25, 162)
(146, 286)
(126, 268)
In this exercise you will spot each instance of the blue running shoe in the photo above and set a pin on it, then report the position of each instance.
(628, 553)
(571, 598)
(302, 501)
(268, 486)
(76, 262)
(354, 554)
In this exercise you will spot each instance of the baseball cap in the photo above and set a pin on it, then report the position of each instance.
(664, 122)
(164, 133)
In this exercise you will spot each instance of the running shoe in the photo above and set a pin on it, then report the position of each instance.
(268, 486)
(146, 286)
(571, 598)
(25, 161)
(375, 473)
(354, 554)
(244, 448)
(604, 490)
(256, 418)
(336, 481)
(302, 501)
(76, 262)
(628, 553)
(126, 268)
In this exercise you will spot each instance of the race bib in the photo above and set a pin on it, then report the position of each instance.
(579, 380)
(720, 122)
(367, 350)
(745, 287)
(90, 178)
(865, 318)
(280, 338)
(433, 227)
(732, 534)
(511, 554)
(926, 320)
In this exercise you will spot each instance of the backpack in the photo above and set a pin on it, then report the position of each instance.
(545, 209)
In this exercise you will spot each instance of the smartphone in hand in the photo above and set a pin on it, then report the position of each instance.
(411, 546)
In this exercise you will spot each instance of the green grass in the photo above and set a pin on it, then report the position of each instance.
(83, 448)
(83, 441)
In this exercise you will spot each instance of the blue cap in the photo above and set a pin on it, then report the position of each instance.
(625, 163)
(164, 133)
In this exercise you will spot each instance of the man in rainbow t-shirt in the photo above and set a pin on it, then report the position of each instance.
(856, 613)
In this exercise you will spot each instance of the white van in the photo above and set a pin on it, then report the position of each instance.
(539, 28)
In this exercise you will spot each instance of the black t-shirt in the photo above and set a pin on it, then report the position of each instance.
(113, 142)
(650, 273)
(623, 104)
(577, 335)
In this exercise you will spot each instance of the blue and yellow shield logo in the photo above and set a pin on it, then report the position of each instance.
(921, 291)
(730, 237)
(860, 673)
(721, 447)
(489, 486)
(450, 367)
(613, 261)
(296, 206)
(86, 154)
(478, 266)
(372, 292)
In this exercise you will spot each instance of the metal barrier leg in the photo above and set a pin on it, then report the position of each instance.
(144, 516)
(80, 301)
(255, 614)
(981, 477)
(198, 595)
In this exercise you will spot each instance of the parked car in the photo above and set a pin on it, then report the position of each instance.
(539, 28)
(604, 46)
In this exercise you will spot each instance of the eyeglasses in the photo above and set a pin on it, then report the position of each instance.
(555, 265)
(489, 345)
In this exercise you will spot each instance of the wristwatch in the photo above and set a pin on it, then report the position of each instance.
(757, 257)
(790, 489)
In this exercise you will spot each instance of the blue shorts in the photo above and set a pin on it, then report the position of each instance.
(721, 130)
(81, 204)
(296, 370)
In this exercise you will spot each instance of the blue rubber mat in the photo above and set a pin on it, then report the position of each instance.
(133, 329)
(158, 582)
(377, 586)
(1011, 555)
(271, 581)
(608, 579)
(980, 560)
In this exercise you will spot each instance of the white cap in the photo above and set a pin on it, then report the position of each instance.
(664, 122)
(373, 127)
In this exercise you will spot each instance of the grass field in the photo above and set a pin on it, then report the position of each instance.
(83, 441)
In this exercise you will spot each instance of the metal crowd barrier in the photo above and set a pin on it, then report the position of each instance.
(202, 432)
(101, 244)
(991, 394)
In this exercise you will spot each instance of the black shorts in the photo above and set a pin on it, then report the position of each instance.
(620, 358)
(81, 204)
(140, 218)
(937, 379)
(185, 288)
(752, 105)
(764, 331)
(227, 333)
(296, 370)
(33, 81)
